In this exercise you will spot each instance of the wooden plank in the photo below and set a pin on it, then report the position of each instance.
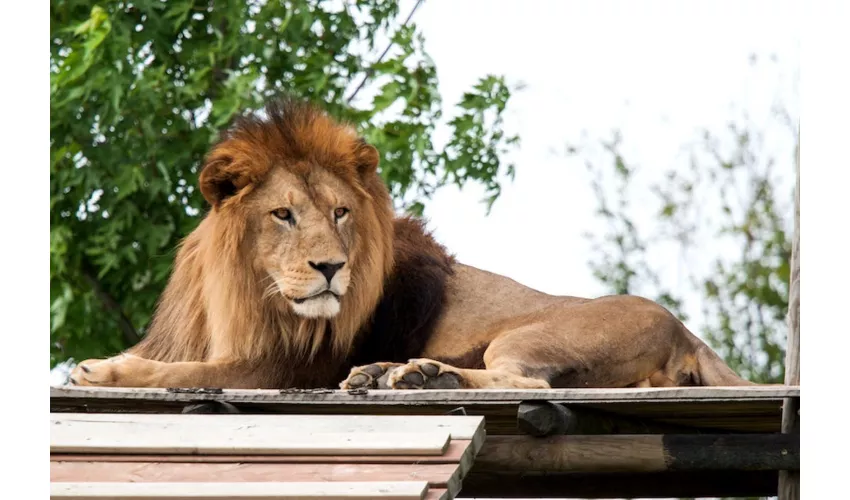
(408, 490)
(639, 453)
(455, 397)
(456, 452)
(459, 459)
(459, 427)
(750, 416)
(789, 481)
(124, 438)
(730, 409)
(437, 475)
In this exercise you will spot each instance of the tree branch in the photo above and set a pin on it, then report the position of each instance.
(131, 336)
(368, 72)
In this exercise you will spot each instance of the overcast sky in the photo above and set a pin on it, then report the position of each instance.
(658, 71)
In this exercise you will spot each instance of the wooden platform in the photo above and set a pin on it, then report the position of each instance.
(738, 409)
(609, 443)
(127, 455)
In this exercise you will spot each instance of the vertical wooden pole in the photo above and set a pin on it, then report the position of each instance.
(789, 481)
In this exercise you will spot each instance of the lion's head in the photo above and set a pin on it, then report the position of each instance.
(299, 238)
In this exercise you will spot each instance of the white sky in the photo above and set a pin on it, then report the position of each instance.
(658, 71)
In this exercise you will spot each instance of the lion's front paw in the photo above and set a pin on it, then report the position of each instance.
(372, 376)
(425, 374)
(117, 371)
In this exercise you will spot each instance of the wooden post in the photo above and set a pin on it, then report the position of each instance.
(789, 481)
(638, 453)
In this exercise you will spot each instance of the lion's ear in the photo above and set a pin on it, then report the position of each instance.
(367, 158)
(220, 179)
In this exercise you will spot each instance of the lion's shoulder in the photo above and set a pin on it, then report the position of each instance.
(413, 298)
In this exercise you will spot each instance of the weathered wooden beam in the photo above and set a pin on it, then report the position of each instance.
(671, 484)
(789, 481)
(544, 418)
(454, 398)
(639, 453)
(744, 409)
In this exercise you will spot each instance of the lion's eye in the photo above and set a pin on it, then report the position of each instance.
(282, 214)
(340, 212)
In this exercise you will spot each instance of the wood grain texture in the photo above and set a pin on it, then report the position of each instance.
(638, 453)
(457, 397)
(412, 490)
(437, 475)
(572, 454)
(453, 455)
(458, 427)
(729, 409)
(126, 438)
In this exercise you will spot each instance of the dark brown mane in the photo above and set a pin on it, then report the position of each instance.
(414, 296)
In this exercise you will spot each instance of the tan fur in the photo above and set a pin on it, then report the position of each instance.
(230, 315)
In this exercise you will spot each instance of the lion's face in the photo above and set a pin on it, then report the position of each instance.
(305, 233)
(303, 221)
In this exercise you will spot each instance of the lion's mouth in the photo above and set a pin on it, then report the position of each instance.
(323, 293)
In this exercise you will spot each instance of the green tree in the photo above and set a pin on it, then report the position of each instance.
(729, 189)
(141, 89)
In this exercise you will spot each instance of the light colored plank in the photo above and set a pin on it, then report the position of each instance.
(119, 437)
(408, 490)
(466, 396)
(457, 452)
(437, 475)
(459, 427)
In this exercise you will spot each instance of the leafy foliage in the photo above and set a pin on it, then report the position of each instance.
(140, 90)
(729, 192)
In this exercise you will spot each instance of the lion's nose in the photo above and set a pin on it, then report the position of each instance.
(329, 269)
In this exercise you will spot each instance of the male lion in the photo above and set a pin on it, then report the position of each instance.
(301, 276)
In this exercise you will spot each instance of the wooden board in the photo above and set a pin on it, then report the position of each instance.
(421, 396)
(638, 453)
(408, 490)
(454, 454)
(738, 409)
(437, 475)
(133, 437)
(458, 427)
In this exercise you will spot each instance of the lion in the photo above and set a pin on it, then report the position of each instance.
(301, 275)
